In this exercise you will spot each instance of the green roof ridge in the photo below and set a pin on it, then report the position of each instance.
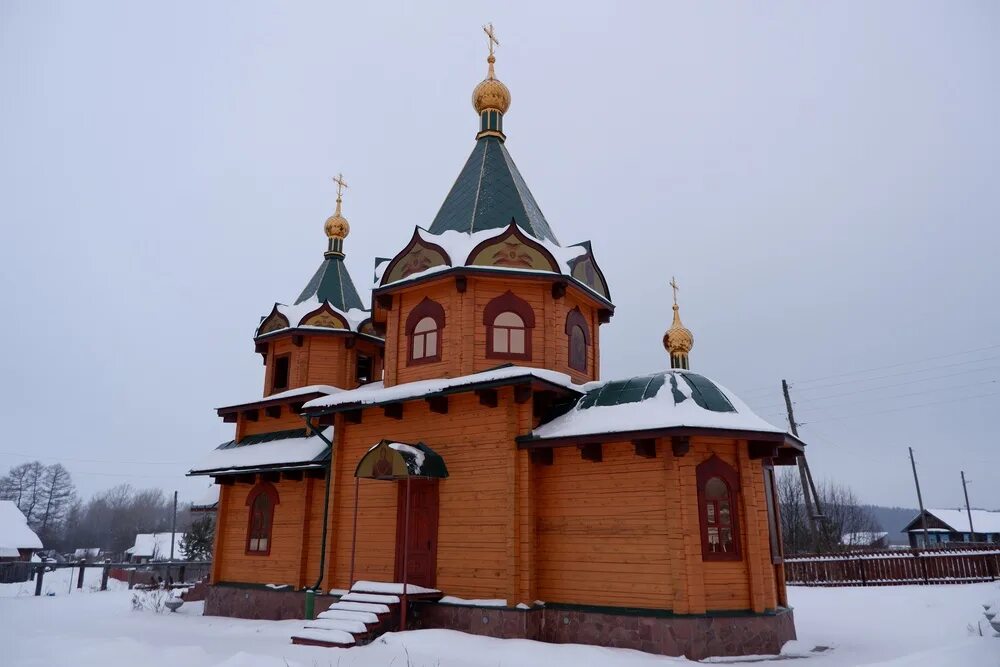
(488, 193)
(333, 283)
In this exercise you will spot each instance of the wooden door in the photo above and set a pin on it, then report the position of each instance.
(421, 557)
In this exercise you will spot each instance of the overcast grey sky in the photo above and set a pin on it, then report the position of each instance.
(822, 178)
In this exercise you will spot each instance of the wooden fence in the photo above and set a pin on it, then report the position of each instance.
(891, 568)
(169, 572)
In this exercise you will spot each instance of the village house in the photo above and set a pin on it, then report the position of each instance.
(457, 436)
(18, 543)
(946, 526)
(155, 547)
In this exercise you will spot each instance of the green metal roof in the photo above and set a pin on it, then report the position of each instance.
(488, 193)
(261, 438)
(633, 390)
(333, 283)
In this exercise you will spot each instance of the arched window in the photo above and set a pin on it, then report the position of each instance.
(509, 321)
(718, 488)
(578, 338)
(423, 331)
(261, 500)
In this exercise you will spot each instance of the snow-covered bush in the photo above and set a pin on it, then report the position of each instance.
(153, 600)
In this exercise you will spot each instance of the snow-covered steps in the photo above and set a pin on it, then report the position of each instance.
(361, 606)
(317, 637)
(386, 588)
(353, 627)
(346, 615)
(370, 597)
(361, 614)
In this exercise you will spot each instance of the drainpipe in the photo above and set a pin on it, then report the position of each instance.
(311, 592)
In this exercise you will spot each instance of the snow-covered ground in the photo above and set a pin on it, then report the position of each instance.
(905, 626)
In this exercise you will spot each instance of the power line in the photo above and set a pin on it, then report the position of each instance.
(907, 407)
(758, 389)
(891, 396)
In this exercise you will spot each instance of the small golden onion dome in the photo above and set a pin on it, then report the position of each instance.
(336, 226)
(678, 339)
(491, 93)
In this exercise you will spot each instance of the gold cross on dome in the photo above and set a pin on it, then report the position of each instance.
(491, 37)
(673, 284)
(341, 184)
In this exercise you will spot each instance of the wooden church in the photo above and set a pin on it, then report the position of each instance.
(457, 436)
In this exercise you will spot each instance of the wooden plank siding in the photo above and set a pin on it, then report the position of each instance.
(463, 340)
(283, 565)
(477, 506)
(626, 532)
(602, 529)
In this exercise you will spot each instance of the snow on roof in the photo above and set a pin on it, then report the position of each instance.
(459, 245)
(983, 521)
(674, 398)
(207, 500)
(231, 457)
(861, 539)
(290, 393)
(14, 530)
(377, 392)
(156, 546)
(295, 312)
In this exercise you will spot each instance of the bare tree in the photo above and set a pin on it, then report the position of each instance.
(56, 497)
(23, 485)
(843, 514)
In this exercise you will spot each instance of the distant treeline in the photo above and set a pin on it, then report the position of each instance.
(109, 519)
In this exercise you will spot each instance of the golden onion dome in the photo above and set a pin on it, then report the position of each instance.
(678, 339)
(336, 226)
(491, 93)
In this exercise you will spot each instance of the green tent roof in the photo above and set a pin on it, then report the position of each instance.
(333, 283)
(488, 193)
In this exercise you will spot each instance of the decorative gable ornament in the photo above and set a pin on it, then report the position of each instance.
(273, 322)
(326, 317)
(513, 249)
(418, 255)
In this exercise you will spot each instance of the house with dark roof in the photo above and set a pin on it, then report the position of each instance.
(456, 438)
(950, 526)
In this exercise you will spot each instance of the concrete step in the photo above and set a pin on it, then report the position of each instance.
(314, 637)
(353, 627)
(345, 615)
(370, 597)
(361, 606)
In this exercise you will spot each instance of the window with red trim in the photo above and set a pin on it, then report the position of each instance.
(423, 332)
(718, 487)
(509, 321)
(578, 338)
(261, 500)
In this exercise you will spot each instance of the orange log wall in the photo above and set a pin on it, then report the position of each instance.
(622, 532)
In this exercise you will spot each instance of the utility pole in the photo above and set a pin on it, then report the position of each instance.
(965, 490)
(920, 500)
(173, 529)
(808, 488)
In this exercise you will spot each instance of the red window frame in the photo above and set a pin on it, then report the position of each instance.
(261, 500)
(576, 321)
(508, 302)
(716, 468)
(424, 309)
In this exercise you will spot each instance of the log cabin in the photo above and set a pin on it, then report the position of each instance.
(456, 439)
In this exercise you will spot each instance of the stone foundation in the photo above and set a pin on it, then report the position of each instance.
(695, 637)
(242, 601)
